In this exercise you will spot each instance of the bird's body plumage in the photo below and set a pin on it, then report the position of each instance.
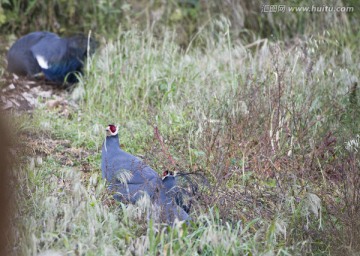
(46, 52)
(115, 161)
(143, 179)
(174, 191)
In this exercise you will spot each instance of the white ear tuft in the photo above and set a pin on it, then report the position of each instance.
(110, 133)
(117, 130)
(42, 62)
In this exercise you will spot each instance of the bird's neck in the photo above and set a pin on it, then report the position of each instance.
(112, 141)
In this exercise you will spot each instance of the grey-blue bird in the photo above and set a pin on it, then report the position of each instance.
(45, 52)
(130, 178)
(174, 191)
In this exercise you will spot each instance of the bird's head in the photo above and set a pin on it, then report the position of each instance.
(167, 174)
(81, 44)
(112, 130)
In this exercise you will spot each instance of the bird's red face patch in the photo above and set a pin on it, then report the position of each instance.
(167, 173)
(112, 128)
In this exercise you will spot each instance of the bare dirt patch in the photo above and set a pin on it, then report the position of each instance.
(23, 95)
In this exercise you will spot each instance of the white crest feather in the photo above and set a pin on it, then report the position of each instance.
(42, 62)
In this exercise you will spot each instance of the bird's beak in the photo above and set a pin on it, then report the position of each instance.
(108, 132)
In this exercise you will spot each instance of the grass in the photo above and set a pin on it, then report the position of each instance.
(266, 123)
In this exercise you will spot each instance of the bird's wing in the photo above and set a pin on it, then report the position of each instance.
(20, 58)
(173, 212)
(170, 210)
(49, 51)
(143, 178)
(141, 172)
(124, 192)
(132, 191)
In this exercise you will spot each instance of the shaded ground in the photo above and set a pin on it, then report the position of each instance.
(25, 95)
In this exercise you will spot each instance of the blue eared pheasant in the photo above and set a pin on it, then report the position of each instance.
(177, 193)
(130, 178)
(44, 52)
